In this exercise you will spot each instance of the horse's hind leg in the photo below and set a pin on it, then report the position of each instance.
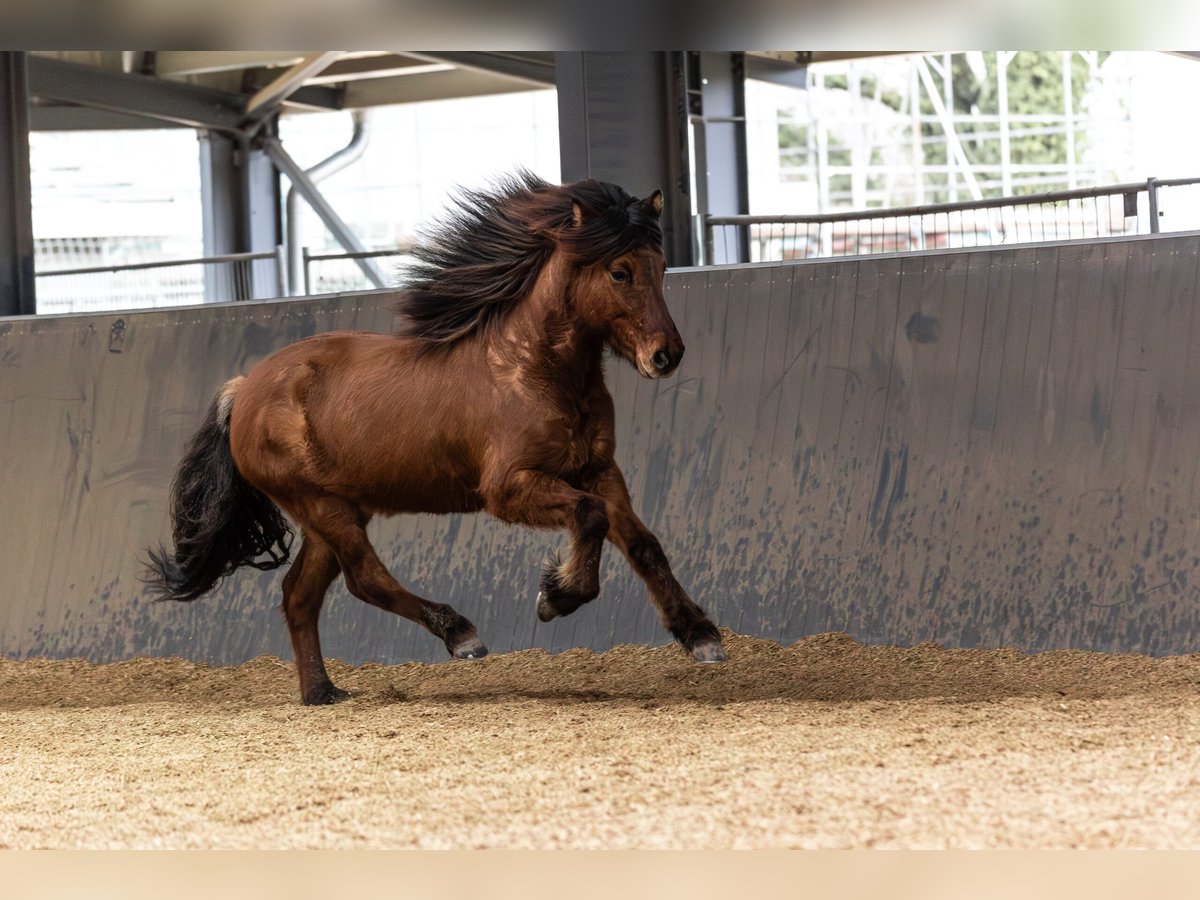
(342, 526)
(304, 589)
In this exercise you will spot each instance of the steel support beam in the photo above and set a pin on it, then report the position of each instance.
(262, 217)
(64, 117)
(200, 62)
(220, 194)
(368, 68)
(17, 294)
(436, 85)
(266, 102)
(622, 118)
(790, 71)
(239, 192)
(537, 69)
(187, 104)
(154, 98)
(717, 103)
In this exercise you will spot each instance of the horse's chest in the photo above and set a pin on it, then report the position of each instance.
(576, 445)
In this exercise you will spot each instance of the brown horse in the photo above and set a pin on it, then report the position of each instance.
(491, 397)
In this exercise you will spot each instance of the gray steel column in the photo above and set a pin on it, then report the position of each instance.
(262, 216)
(622, 118)
(239, 192)
(717, 98)
(220, 193)
(17, 294)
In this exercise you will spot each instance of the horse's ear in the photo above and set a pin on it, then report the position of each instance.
(655, 203)
(582, 212)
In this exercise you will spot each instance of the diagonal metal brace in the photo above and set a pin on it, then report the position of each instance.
(309, 191)
(267, 101)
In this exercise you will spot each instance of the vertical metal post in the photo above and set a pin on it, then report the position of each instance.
(718, 111)
(17, 286)
(574, 134)
(810, 139)
(622, 117)
(701, 239)
(1152, 195)
(947, 103)
(824, 200)
(220, 204)
(1069, 115)
(262, 212)
(307, 283)
(918, 151)
(281, 270)
(860, 157)
(239, 190)
(1003, 57)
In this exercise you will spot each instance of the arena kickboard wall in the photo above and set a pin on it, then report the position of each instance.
(993, 447)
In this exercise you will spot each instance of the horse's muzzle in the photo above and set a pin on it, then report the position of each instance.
(665, 360)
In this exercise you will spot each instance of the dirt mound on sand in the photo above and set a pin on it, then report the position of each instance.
(826, 667)
(824, 744)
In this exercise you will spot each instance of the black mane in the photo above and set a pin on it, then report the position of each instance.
(485, 255)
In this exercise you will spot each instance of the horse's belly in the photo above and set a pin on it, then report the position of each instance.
(438, 502)
(421, 489)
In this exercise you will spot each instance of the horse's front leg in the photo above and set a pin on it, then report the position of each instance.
(543, 501)
(678, 612)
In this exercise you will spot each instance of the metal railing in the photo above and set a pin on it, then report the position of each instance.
(177, 282)
(1123, 209)
(328, 273)
(1113, 210)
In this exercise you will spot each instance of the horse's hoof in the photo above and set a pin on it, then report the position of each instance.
(325, 694)
(472, 648)
(709, 652)
(545, 609)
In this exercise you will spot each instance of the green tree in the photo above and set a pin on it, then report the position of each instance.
(1035, 86)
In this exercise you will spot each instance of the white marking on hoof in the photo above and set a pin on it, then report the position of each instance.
(545, 610)
(709, 652)
(471, 649)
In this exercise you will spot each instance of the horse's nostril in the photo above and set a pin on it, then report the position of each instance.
(661, 359)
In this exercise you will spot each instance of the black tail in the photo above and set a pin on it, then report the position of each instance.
(220, 522)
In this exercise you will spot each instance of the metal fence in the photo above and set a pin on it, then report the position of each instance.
(332, 273)
(1114, 210)
(213, 279)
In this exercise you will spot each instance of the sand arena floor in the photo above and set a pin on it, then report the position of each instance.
(827, 743)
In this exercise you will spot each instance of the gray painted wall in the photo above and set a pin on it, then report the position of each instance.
(980, 448)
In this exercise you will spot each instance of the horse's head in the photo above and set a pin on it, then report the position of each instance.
(619, 293)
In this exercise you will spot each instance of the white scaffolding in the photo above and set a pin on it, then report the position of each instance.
(887, 132)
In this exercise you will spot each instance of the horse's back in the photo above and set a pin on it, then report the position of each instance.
(362, 416)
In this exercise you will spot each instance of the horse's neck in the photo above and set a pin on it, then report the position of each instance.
(544, 342)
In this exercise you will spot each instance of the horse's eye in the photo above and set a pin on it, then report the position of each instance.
(620, 276)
